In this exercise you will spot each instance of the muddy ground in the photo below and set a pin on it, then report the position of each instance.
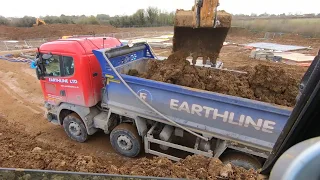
(53, 31)
(21, 150)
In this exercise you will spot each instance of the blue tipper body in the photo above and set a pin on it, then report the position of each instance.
(223, 116)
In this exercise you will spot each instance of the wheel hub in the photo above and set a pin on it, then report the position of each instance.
(124, 142)
(74, 129)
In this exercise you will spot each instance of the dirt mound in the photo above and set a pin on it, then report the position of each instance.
(53, 31)
(193, 167)
(267, 83)
(274, 84)
(19, 150)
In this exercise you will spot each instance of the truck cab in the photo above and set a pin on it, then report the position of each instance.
(71, 72)
(71, 81)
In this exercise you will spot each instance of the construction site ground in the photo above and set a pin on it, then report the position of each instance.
(28, 140)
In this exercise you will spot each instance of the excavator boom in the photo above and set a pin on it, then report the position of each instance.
(39, 22)
(202, 30)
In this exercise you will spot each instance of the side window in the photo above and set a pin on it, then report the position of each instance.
(61, 66)
(67, 66)
(53, 66)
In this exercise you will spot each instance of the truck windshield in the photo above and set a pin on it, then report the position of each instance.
(52, 66)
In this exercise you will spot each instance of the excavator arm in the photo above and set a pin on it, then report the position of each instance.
(39, 22)
(200, 32)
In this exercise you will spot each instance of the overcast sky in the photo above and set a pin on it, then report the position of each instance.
(126, 7)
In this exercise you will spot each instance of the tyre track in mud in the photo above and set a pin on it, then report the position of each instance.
(21, 97)
(18, 112)
(20, 150)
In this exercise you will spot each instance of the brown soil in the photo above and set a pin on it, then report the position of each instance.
(184, 18)
(193, 167)
(224, 19)
(19, 150)
(268, 83)
(53, 31)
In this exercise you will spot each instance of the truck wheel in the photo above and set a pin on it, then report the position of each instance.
(241, 159)
(125, 140)
(75, 128)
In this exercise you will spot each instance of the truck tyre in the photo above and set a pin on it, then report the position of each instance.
(75, 128)
(125, 140)
(241, 159)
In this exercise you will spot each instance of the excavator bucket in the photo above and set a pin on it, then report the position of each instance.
(201, 31)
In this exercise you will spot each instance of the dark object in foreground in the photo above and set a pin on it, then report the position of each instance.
(302, 125)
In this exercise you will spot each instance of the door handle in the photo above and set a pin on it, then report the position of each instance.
(95, 74)
(62, 93)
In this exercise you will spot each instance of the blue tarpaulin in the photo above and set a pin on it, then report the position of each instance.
(9, 57)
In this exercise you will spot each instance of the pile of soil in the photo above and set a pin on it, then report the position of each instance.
(224, 19)
(53, 31)
(20, 150)
(193, 167)
(268, 83)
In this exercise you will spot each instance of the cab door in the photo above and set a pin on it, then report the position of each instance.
(52, 82)
(71, 73)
